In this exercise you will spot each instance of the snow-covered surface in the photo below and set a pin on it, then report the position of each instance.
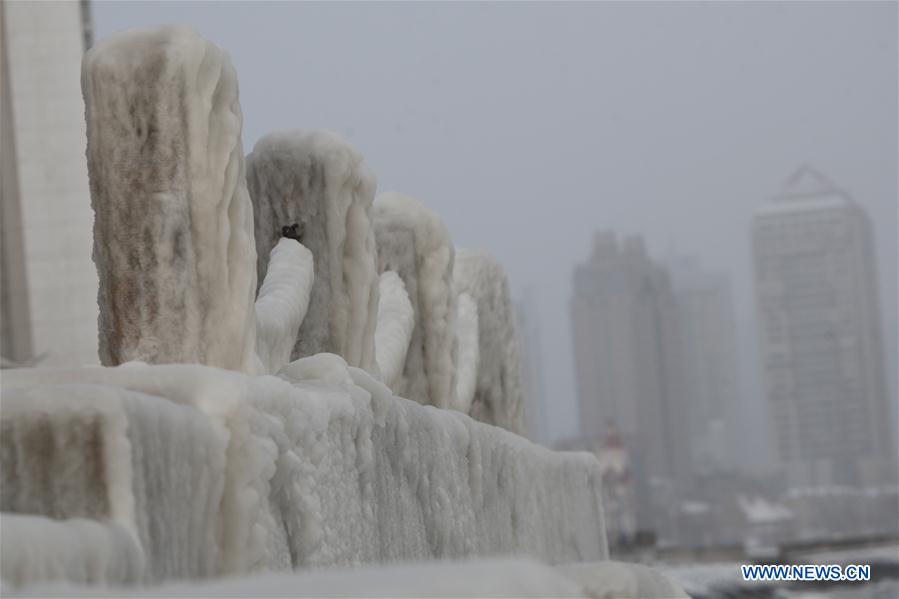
(396, 320)
(481, 578)
(77, 550)
(318, 181)
(469, 352)
(485, 577)
(619, 580)
(173, 231)
(75, 448)
(615, 580)
(497, 397)
(216, 472)
(413, 242)
(282, 303)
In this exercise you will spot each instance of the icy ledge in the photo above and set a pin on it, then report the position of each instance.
(192, 472)
(476, 578)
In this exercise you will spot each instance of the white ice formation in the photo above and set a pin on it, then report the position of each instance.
(282, 303)
(476, 578)
(620, 580)
(77, 551)
(224, 457)
(469, 355)
(396, 320)
(497, 396)
(319, 182)
(196, 471)
(173, 232)
(414, 243)
(491, 577)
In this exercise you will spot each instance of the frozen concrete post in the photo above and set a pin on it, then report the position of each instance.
(320, 183)
(497, 396)
(173, 231)
(414, 243)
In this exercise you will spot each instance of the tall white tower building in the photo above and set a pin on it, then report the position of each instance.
(822, 353)
(48, 283)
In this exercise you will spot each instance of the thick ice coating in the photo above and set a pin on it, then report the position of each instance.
(477, 578)
(85, 452)
(469, 352)
(282, 303)
(215, 472)
(396, 320)
(319, 182)
(498, 578)
(497, 397)
(173, 231)
(78, 551)
(414, 243)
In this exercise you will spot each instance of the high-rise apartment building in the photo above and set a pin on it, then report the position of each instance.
(821, 347)
(628, 366)
(709, 350)
(47, 278)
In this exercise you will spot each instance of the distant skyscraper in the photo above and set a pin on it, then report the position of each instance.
(709, 350)
(628, 365)
(49, 283)
(822, 355)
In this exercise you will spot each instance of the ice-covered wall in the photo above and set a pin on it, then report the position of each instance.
(319, 182)
(214, 472)
(173, 229)
(85, 450)
(414, 243)
(497, 397)
(78, 551)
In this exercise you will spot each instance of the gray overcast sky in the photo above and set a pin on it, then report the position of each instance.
(528, 126)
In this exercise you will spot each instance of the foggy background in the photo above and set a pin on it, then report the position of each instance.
(529, 126)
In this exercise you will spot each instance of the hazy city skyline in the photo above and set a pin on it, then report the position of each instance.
(673, 121)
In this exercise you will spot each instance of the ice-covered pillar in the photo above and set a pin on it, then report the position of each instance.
(173, 230)
(318, 182)
(414, 243)
(497, 397)
(282, 303)
(396, 321)
(469, 351)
